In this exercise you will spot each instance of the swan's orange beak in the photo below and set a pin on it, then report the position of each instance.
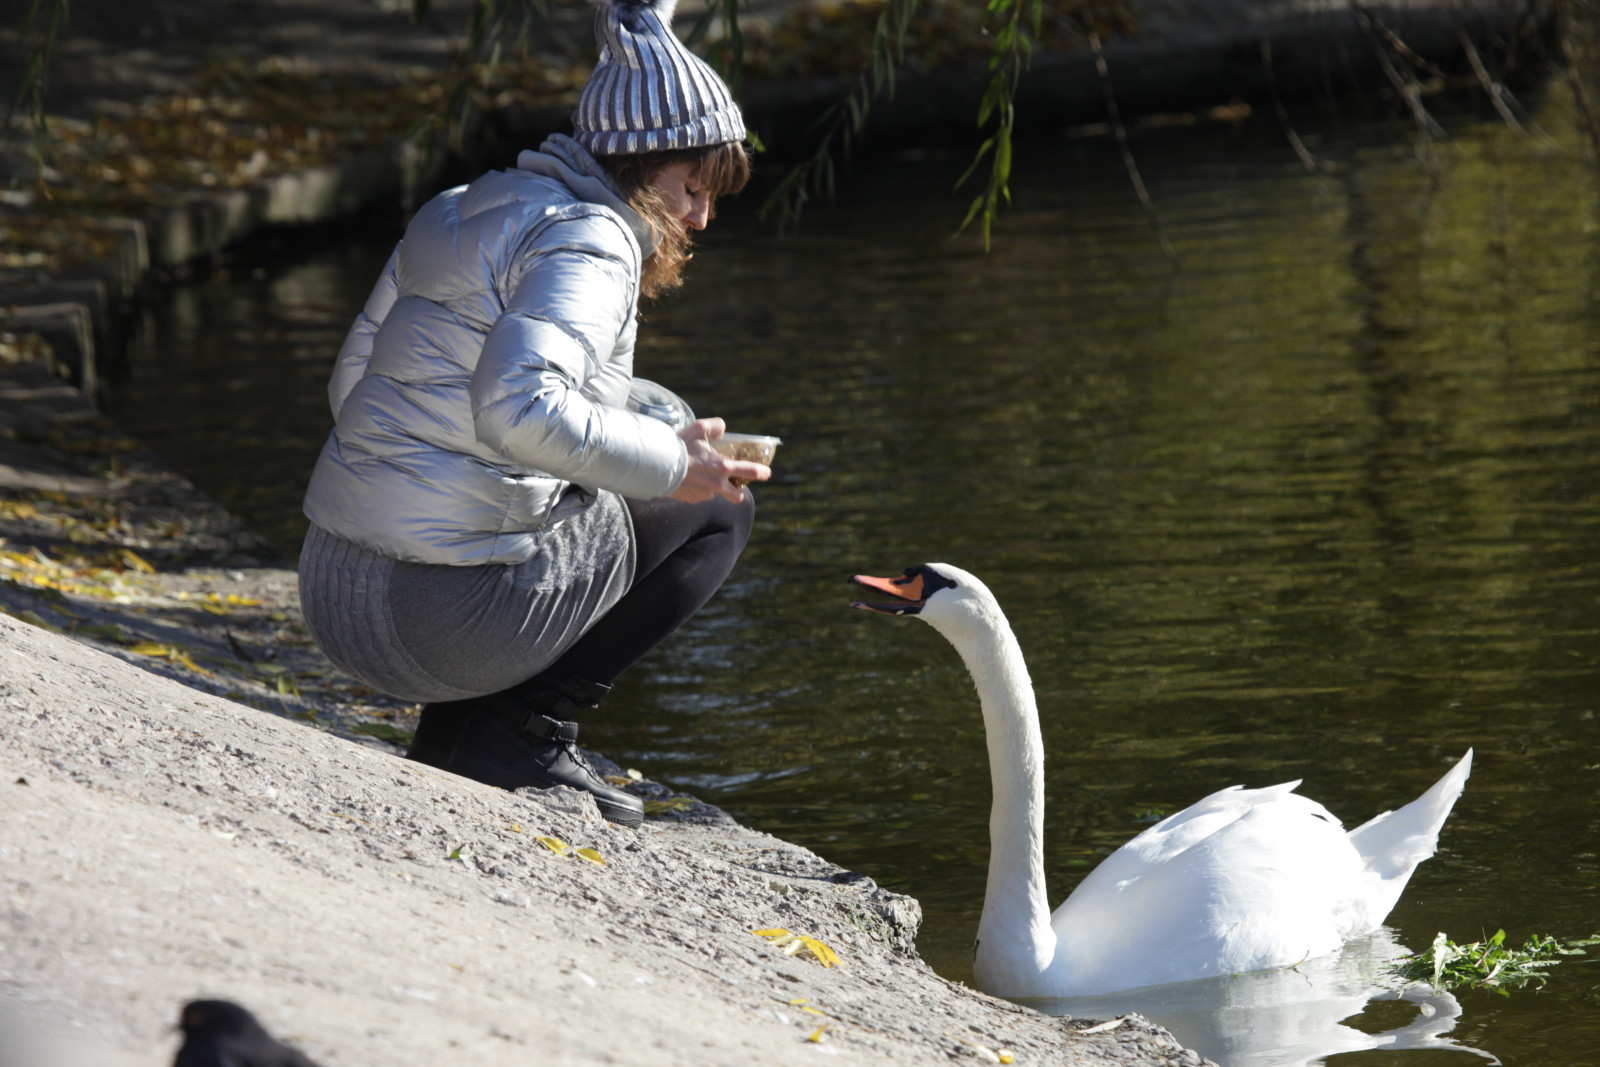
(906, 590)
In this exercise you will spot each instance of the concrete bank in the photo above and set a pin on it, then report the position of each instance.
(160, 844)
(193, 804)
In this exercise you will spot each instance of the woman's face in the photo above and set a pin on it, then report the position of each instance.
(684, 196)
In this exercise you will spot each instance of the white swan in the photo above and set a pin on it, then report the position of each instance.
(1294, 1016)
(1245, 880)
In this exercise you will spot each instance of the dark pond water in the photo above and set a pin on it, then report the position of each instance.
(1324, 504)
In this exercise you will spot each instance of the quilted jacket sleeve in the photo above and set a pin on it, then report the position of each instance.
(356, 352)
(560, 328)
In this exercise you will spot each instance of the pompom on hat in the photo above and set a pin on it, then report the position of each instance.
(649, 93)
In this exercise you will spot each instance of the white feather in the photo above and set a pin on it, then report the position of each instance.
(1244, 880)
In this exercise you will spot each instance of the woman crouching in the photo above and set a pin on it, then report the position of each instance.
(493, 532)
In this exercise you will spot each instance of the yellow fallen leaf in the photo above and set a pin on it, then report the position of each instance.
(133, 561)
(825, 955)
(769, 934)
(592, 855)
(171, 653)
(516, 828)
(1006, 1055)
(816, 1035)
(555, 844)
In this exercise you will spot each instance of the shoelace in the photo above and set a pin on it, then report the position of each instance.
(569, 745)
(578, 757)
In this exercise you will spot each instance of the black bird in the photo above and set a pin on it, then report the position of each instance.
(219, 1033)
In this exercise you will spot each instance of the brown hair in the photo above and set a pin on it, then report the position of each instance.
(723, 169)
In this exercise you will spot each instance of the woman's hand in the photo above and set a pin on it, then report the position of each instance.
(710, 470)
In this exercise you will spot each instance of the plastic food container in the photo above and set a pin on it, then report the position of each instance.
(753, 447)
(659, 402)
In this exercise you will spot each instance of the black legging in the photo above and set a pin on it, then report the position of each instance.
(685, 552)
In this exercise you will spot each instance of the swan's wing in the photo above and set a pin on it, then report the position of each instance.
(1396, 841)
(1245, 879)
(1177, 833)
(1392, 844)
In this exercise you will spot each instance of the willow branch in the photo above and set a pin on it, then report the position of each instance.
(1490, 86)
(36, 68)
(1579, 97)
(1407, 88)
(1012, 48)
(1310, 161)
(1395, 40)
(843, 122)
(1127, 154)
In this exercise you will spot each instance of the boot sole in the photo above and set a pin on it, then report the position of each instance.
(496, 774)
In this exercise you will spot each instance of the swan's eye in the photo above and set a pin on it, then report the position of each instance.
(932, 580)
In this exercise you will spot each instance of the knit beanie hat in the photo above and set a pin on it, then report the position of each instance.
(649, 92)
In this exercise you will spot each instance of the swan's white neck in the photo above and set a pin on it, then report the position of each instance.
(1016, 944)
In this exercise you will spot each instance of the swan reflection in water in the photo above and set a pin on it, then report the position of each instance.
(1290, 1017)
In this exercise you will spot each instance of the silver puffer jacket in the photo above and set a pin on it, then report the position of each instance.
(480, 395)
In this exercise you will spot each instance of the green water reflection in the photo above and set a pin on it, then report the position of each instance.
(1325, 504)
(1321, 506)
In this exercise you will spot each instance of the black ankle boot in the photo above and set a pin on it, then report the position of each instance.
(439, 728)
(515, 741)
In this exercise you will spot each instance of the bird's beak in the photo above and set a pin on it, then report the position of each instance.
(906, 591)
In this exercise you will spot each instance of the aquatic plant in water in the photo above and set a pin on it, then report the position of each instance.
(1489, 964)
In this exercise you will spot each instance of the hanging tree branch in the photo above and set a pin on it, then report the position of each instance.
(1492, 88)
(1311, 162)
(1013, 47)
(486, 23)
(1574, 78)
(727, 56)
(1381, 38)
(842, 123)
(36, 69)
(1128, 162)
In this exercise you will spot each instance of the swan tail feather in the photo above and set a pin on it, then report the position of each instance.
(1392, 844)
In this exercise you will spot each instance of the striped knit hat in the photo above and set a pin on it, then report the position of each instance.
(649, 92)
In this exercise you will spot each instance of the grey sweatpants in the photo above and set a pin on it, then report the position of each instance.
(429, 632)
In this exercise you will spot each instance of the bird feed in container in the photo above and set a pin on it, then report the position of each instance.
(751, 447)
